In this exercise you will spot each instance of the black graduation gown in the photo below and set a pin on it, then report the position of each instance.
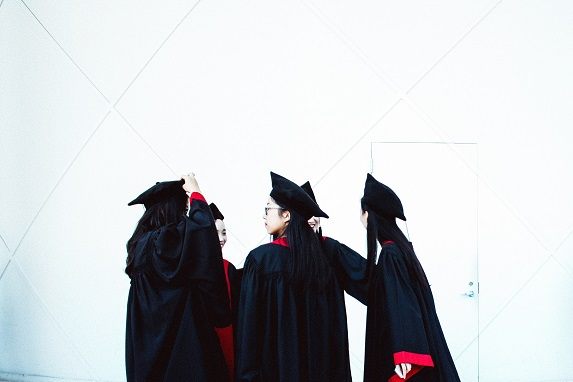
(402, 325)
(227, 334)
(349, 266)
(234, 283)
(291, 335)
(177, 296)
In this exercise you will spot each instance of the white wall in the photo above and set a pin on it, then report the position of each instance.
(100, 99)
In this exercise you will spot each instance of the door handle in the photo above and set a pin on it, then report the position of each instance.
(471, 292)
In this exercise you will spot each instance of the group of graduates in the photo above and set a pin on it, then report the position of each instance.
(192, 316)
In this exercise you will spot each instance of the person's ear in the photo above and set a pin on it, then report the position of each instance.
(286, 215)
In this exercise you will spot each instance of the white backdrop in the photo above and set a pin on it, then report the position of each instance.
(100, 99)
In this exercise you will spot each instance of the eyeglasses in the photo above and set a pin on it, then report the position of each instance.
(272, 208)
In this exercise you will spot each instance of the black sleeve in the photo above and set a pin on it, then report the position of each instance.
(235, 286)
(350, 269)
(247, 363)
(405, 319)
(189, 252)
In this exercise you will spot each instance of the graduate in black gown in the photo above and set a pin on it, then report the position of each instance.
(404, 339)
(178, 292)
(349, 265)
(292, 316)
(232, 276)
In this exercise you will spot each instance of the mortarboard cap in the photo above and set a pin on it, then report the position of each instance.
(159, 192)
(215, 211)
(306, 187)
(293, 197)
(381, 199)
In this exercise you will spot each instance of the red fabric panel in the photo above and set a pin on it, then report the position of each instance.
(226, 334)
(197, 196)
(418, 362)
(281, 241)
(413, 358)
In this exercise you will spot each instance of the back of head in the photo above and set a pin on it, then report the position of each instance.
(381, 229)
(382, 199)
(307, 265)
(384, 207)
(167, 210)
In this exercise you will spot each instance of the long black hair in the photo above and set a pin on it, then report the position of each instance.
(380, 229)
(306, 265)
(156, 216)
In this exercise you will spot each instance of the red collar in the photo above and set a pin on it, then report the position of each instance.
(387, 242)
(282, 241)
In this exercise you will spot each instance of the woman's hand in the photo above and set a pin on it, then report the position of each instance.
(191, 184)
(403, 369)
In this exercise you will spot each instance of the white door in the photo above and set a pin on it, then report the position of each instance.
(437, 184)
